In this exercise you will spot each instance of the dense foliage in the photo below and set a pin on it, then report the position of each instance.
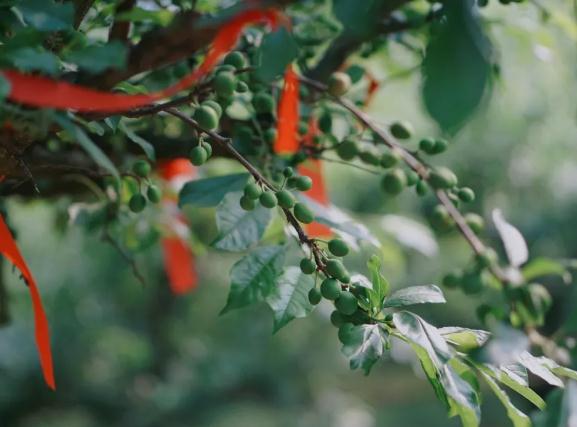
(260, 173)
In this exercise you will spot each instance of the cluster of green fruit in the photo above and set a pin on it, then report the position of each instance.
(474, 278)
(336, 287)
(201, 153)
(138, 201)
(254, 191)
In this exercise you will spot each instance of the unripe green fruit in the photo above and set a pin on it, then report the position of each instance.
(314, 296)
(427, 145)
(338, 247)
(141, 168)
(288, 172)
(337, 319)
(303, 128)
(224, 84)
(422, 188)
(440, 218)
(370, 157)
(207, 147)
(154, 194)
(442, 178)
(303, 213)
(299, 157)
(236, 59)
(346, 303)
(263, 103)
(473, 283)
(466, 195)
(344, 332)
(390, 159)
(285, 199)
(412, 177)
(244, 134)
(308, 266)
(335, 268)
(241, 87)
(252, 190)
(345, 278)
(325, 123)
(486, 258)
(270, 135)
(137, 203)
(206, 117)
(475, 222)
(247, 203)
(339, 84)
(401, 130)
(198, 156)
(268, 199)
(225, 68)
(303, 183)
(214, 105)
(440, 146)
(348, 149)
(394, 181)
(330, 289)
(452, 280)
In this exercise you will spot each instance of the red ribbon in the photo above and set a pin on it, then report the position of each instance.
(38, 91)
(288, 115)
(9, 249)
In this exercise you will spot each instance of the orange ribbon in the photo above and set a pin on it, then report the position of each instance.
(288, 114)
(9, 249)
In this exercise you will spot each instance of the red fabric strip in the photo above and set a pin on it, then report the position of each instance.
(38, 91)
(10, 250)
(179, 262)
(288, 114)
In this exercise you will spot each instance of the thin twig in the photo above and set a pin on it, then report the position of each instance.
(106, 237)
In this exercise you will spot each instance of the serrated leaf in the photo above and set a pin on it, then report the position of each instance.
(97, 58)
(93, 150)
(429, 294)
(380, 286)
(238, 229)
(465, 339)
(253, 278)
(513, 240)
(456, 69)
(146, 146)
(278, 49)
(289, 300)
(518, 418)
(364, 345)
(541, 367)
(47, 15)
(423, 335)
(464, 398)
(209, 192)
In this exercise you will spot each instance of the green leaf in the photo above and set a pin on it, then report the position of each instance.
(34, 59)
(47, 15)
(518, 418)
(238, 229)
(513, 240)
(289, 299)
(4, 87)
(209, 192)
(464, 399)
(464, 339)
(561, 408)
(539, 267)
(541, 367)
(359, 19)
(429, 294)
(381, 286)
(456, 69)
(146, 146)
(161, 17)
(93, 150)
(424, 336)
(253, 277)
(504, 347)
(364, 345)
(514, 377)
(278, 49)
(97, 58)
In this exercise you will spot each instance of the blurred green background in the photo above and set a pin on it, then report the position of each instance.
(134, 356)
